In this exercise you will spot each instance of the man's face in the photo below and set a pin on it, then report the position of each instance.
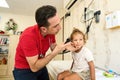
(54, 25)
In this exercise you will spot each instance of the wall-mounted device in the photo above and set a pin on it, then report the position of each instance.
(90, 14)
(67, 14)
(97, 16)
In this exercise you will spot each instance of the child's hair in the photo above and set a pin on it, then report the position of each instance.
(75, 30)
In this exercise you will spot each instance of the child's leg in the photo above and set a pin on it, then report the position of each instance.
(63, 74)
(73, 76)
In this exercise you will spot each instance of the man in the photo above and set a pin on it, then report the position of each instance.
(30, 59)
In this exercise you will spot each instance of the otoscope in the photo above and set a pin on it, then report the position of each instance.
(66, 51)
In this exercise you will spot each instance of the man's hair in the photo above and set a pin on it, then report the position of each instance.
(43, 14)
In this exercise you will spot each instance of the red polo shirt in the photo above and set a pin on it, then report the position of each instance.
(31, 43)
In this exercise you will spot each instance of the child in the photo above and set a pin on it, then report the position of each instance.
(82, 67)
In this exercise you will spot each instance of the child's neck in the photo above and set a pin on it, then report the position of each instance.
(78, 50)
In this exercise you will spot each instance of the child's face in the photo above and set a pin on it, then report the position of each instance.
(78, 40)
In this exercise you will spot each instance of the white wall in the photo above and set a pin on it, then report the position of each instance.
(104, 43)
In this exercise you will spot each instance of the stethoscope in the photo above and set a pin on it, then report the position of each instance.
(41, 55)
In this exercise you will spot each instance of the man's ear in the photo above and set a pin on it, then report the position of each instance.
(43, 29)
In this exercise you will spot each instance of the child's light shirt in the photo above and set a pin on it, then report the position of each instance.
(81, 60)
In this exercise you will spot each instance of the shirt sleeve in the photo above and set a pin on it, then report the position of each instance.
(89, 56)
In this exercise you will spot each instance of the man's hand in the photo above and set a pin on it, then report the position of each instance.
(70, 46)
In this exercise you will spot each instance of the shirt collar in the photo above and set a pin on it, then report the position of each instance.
(38, 32)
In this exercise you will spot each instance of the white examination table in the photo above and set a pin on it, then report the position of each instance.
(55, 67)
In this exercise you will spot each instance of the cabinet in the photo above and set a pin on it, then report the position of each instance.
(7, 54)
(4, 52)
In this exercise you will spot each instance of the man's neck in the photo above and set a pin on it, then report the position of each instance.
(43, 33)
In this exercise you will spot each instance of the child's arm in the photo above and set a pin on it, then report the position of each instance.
(92, 70)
